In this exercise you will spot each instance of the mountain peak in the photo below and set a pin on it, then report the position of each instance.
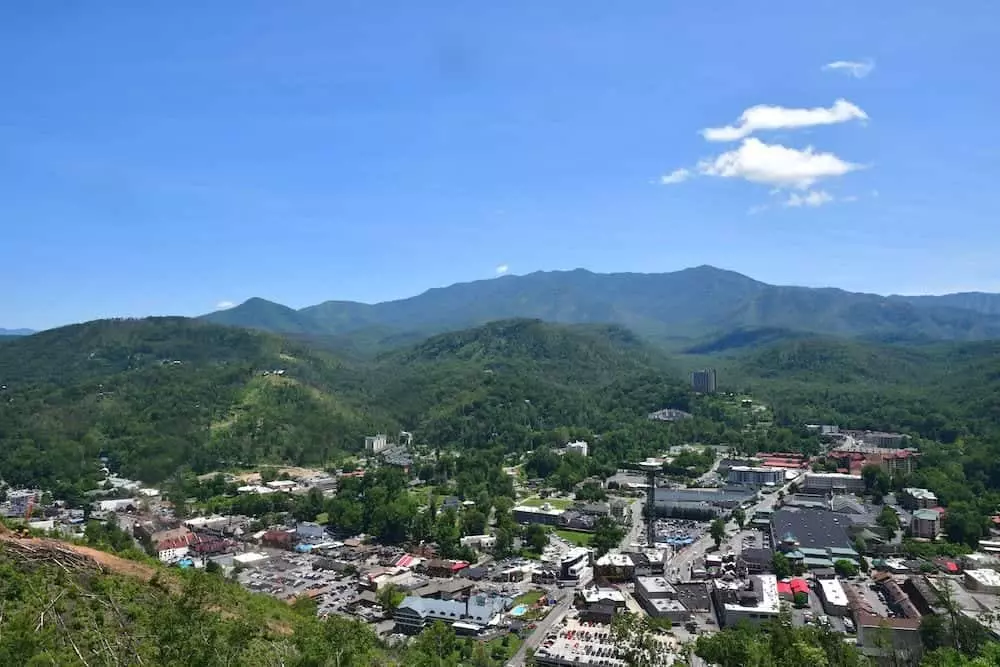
(692, 303)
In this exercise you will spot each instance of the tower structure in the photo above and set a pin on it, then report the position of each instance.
(650, 468)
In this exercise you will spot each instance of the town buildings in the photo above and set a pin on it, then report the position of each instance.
(658, 597)
(374, 444)
(915, 498)
(704, 381)
(833, 596)
(470, 615)
(832, 482)
(546, 514)
(925, 523)
(754, 599)
(755, 476)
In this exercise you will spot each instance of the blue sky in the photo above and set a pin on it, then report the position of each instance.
(163, 160)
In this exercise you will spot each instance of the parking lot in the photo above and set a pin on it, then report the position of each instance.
(579, 641)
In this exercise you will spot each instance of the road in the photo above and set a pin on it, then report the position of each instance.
(564, 599)
(632, 536)
(680, 565)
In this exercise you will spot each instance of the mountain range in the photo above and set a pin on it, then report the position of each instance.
(16, 332)
(690, 304)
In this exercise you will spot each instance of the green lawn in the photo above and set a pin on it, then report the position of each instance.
(557, 503)
(576, 537)
(496, 645)
(322, 518)
(529, 598)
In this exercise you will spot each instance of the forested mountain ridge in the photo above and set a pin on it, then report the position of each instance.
(688, 304)
(160, 393)
(506, 380)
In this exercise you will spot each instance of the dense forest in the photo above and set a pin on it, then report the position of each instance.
(155, 395)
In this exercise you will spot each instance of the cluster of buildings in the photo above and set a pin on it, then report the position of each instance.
(580, 516)
(887, 451)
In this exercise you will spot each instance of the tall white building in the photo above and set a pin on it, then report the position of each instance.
(703, 381)
(376, 443)
(580, 447)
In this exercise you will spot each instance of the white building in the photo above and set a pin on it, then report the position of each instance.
(916, 498)
(756, 476)
(116, 505)
(376, 443)
(172, 554)
(833, 482)
(579, 447)
(481, 542)
(282, 485)
(254, 488)
(983, 581)
(249, 558)
(834, 597)
(754, 600)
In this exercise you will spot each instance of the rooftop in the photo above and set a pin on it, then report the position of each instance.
(985, 577)
(812, 529)
(656, 585)
(544, 509)
(833, 592)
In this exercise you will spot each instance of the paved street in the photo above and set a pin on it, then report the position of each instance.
(564, 599)
(680, 564)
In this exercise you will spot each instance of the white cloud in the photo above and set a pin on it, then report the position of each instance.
(812, 198)
(502, 269)
(767, 117)
(676, 176)
(224, 305)
(776, 165)
(857, 69)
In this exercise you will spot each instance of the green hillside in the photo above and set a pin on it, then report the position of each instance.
(506, 380)
(159, 393)
(66, 604)
(154, 395)
(690, 304)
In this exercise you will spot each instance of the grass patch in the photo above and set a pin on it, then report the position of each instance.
(495, 647)
(576, 537)
(322, 518)
(557, 503)
(529, 598)
(528, 552)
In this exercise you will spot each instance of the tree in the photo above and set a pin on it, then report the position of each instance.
(876, 480)
(389, 598)
(504, 544)
(740, 517)
(845, 568)
(718, 531)
(634, 636)
(435, 646)
(781, 566)
(889, 520)
(473, 522)
(536, 536)
(607, 535)
(800, 600)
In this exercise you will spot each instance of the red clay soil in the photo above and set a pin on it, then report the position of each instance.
(105, 560)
